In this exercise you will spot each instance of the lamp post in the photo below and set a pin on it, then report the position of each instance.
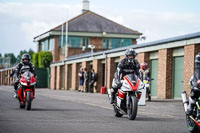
(91, 47)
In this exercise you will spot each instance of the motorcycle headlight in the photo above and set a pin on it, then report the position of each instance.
(33, 83)
(25, 84)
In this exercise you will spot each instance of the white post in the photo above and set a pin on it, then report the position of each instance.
(66, 36)
(62, 35)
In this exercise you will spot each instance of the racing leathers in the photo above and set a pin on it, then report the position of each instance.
(195, 91)
(20, 69)
(124, 67)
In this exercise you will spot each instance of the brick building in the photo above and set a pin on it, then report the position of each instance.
(171, 62)
(86, 29)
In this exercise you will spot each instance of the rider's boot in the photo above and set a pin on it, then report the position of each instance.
(112, 96)
(15, 94)
(190, 106)
(149, 97)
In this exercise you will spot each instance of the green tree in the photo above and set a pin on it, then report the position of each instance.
(0, 55)
(13, 59)
(35, 59)
(19, 57)
(31, 52)
(44, 59)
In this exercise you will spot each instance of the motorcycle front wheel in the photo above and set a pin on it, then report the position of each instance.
(132, 109)
(28, 100)
(21, 105)
(191, 125)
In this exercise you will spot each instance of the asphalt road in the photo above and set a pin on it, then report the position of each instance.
(73, 112)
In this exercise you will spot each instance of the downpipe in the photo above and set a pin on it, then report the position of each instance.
(185, 100)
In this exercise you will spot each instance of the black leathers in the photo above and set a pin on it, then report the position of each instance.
(195, 92)
(125, 67)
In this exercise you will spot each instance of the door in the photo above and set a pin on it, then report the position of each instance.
(154, 76)
(178, 73)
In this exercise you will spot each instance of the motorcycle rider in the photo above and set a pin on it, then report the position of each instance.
(128, 65)
(145, 75)
(195, 85)
(24, 65)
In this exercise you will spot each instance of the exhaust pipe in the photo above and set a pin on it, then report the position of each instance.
(185, 100)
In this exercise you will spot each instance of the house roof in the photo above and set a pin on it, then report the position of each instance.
(94, 23)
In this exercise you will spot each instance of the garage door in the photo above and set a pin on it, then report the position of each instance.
(178, 71)
(154, 75)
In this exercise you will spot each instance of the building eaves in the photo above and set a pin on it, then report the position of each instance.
(154, 43)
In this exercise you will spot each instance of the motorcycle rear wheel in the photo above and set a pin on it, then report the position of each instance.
(28, 100)
(191, 125)
(132, 110)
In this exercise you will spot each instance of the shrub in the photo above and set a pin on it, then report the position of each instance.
(44, 59)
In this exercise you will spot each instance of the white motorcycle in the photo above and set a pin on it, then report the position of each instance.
(127, 97)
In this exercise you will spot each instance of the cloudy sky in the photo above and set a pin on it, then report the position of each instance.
(22, 20)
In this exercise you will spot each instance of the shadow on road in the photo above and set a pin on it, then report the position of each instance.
(145, 118)
(60, 110)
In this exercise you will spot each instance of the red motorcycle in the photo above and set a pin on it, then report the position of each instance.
(26, 90)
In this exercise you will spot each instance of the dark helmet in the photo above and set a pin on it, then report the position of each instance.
(130, 51)
(197, 59)
(26, 56)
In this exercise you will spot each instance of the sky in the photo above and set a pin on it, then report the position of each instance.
(22, 20)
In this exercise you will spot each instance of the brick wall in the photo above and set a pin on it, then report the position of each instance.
(56, 51)
(143, 57)
(53, 78)
(67, 77)
(75, 78)
(96, 41)
(110, 70)
(134, 41)
(97, 66)
(75, 51)
(165, 61)
(190, 52)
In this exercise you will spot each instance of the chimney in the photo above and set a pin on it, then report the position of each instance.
(85, 6)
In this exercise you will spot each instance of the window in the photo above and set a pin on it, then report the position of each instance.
(74, 42)
(126, 42)
(115, 43)
(85, 41)
(51, 44)
(47, 44)
(106, 43)
(61, 44)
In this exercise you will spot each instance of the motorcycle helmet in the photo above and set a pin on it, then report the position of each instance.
(197, 58)
(130, 52)
(26, 57)
(144, 66)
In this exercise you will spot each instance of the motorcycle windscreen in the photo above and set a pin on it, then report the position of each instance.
(142, 100)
